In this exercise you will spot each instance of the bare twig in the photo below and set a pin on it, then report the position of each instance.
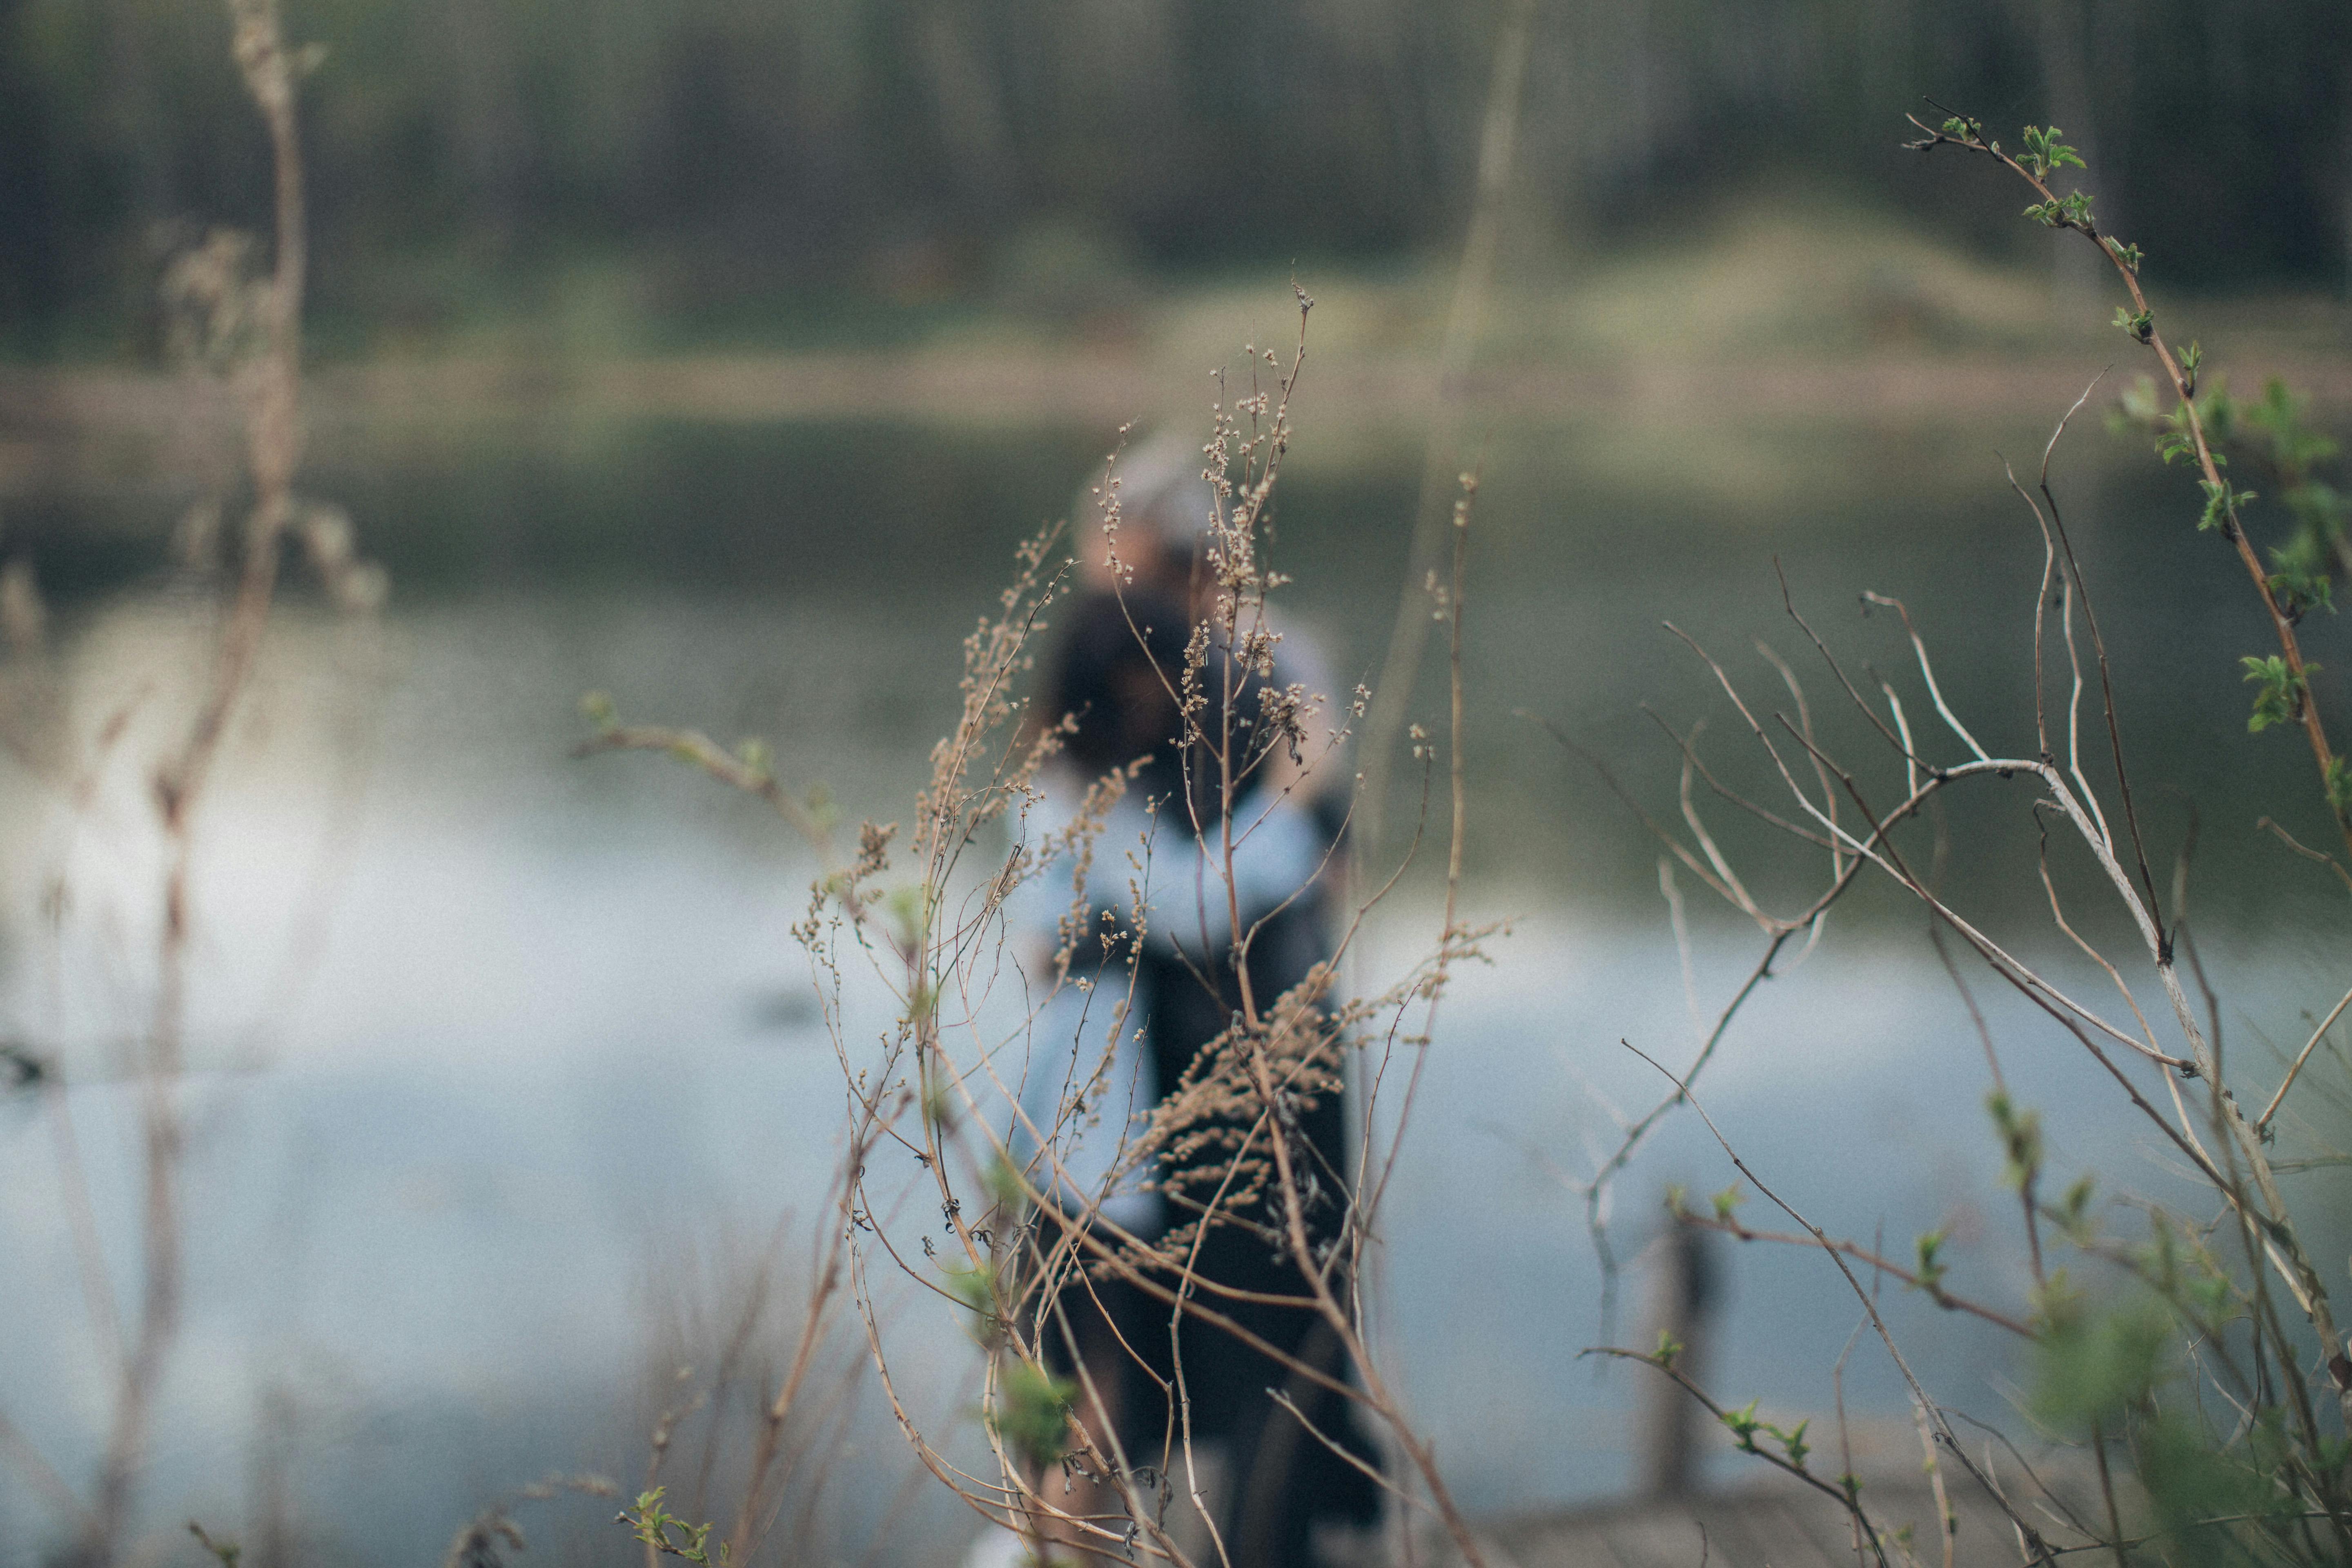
(2302, 1057)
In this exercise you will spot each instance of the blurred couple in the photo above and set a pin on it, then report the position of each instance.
(1179, 906)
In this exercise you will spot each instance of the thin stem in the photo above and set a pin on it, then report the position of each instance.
(1498, 138)
(2302, 1057)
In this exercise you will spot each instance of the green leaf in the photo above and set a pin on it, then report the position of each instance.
(2044, 152)
(2074, 1212)
(1931, 1268)
(2210, 1295)
(2278, 418)
(2094, 1368)
(2021, 1138)
(2057, 1304)
(652, 1524)
(2221, 501)
(976, 1286)
(2279, 690)
(2302, 582)
(1032, 1415)
(1004, 1188)
(2321, 509)
(1744, 1426)
(1794, 1442)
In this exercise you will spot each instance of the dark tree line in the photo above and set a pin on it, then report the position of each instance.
(752, 143)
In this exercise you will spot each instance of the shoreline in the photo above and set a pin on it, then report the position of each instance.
(1083, 388)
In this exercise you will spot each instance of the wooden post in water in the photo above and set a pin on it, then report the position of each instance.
(1681, 1296)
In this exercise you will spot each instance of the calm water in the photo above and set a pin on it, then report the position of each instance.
(505, 1062)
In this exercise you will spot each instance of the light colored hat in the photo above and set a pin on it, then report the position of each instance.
(1160, 487)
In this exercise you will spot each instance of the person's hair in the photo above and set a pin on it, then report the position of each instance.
(1114, 675)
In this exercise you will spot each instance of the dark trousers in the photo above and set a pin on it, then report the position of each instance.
(1283, 1478)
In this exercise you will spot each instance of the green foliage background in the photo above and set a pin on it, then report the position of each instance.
(923, 148)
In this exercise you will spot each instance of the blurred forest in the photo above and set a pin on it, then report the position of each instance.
(719, 153)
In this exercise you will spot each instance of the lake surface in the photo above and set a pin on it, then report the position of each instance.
(506, 1071)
